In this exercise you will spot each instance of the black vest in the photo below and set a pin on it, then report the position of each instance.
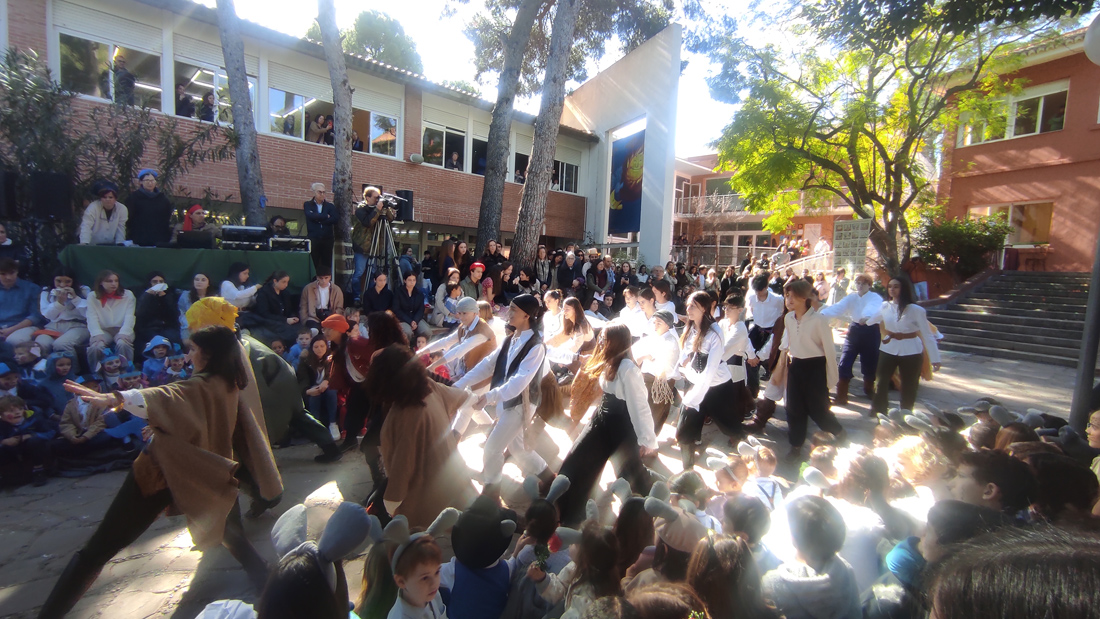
(500, 373)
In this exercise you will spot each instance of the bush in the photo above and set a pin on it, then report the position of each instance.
(963, 247)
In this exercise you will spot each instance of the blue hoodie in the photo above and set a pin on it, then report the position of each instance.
(56, 384)
(152, 365)
(34, 424)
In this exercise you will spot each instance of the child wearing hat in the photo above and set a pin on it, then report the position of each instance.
(156, 358)
(36, 398)
(24, 443)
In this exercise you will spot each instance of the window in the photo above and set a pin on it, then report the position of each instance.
(110, 72)
(565, 177)
(1040, 114)
(432, 146)
(719, 186)
(209, 90)
(479, 156)
(1038, 110)
(287, 112)
(1030, 222)
(383, 134)
(454, 156)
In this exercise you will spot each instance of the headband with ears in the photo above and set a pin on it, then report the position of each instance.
(660, 492)
(918, 424)
(815, 478)
(1002, 415)
(721, 464)
(347, 528)
(935, 410)
(558, 487)
(620, 488)
(397, 531)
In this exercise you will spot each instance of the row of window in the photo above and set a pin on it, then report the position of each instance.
(1018, 117)
(446, 147)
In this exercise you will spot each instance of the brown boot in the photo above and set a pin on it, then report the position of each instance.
(841, 391)
(869, 388)
(765, 408)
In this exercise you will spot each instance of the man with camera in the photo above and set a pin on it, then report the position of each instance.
(367, 216)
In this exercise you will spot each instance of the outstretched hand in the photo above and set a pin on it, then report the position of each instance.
(86, 394)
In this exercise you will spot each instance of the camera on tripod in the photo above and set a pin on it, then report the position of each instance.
(388, 200)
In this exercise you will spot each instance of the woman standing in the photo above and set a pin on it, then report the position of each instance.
(624, 279)
(907, 336)
(643, 274)
(812, 369)
(200, 287)
(206, 109)
(65, 308)
(463, 259)
(201, 436)
(419, 452)
(712, 389)
(555, 264)
(276, 314)
(711, 282)
(446, 261)
(110, 319)
(150, 212)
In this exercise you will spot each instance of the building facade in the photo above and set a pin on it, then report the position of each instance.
(170, 44)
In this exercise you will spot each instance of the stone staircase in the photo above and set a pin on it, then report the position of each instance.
(1025, 315)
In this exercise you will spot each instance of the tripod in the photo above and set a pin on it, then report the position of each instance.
(382, 257)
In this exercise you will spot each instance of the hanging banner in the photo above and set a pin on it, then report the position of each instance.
(627, 158)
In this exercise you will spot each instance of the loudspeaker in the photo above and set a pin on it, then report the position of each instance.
(51, 195)
(8, 212)
(405, 209)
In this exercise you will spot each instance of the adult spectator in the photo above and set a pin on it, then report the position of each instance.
(185, 106)
(356, 143)
(995, 480)
(598, 283)
(321, 219)
(195, 221)
(408, 307)
(428, 266)
(150, 212)
(124, 82)
(315, 131)
(463, 258)
(11, 250)
(781, 257)
(407, 262)
(568, 272)
(840, 286)
(492, 255)
(274, 310)
(453, 163)
(367, 215)
(19, 312)
(156, 312)
(207, 108)
(822, 246)
(201, 286)
(110, 319)
(320, 299)
(65, 307)
(471, 286)
(104, 221)
(378, 297)
(277, 227)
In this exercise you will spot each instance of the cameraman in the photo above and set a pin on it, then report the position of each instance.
(361, 235)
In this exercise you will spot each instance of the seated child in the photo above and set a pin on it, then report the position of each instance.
(121, 424)
(278, 347)
(294, 355)
(24, 443)
(748, 518)
(132, 379)
(677, 534)
(82, 426)
(818, 583)
(110, 370)
(477, 579)
(156, 357)
(762, 482)
(428, 358)
(35, 397)
(540, 542)
(729, 474)
(176, 370)
(689, 485)
(592, 575)
(29, 362)
(59, 368)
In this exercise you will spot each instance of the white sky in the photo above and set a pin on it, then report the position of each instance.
(448, 55)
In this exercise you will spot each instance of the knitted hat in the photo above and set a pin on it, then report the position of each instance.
(467, 305)
(666, 317)
(211, 312)
(145, 172)
(483, 533)
(529, 304)
(336, 322)
(677, 528)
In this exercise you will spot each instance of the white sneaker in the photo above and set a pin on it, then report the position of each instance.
(334, 430)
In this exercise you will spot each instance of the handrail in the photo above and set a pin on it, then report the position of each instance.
(821, 262)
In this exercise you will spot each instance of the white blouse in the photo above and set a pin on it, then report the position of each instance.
(71, 310)
(914, 320)
(715, 373)
(737, 343)
(629, 386)
(664, 353)
(115, 314)
(809, 338)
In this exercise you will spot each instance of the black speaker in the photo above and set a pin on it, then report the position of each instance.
(51, 195)
(8, 212)
(405, 208)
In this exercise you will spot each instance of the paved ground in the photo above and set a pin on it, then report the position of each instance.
(161, 576)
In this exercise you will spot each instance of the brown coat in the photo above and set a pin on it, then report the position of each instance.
(202, 431)
(311, 295)
(477, 353)
(72, 427)
(420, 454)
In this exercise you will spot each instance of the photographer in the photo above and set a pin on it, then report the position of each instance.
(362, 233)
(65, 308)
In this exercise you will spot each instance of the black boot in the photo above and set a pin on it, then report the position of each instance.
(329, 453)
(687, 455)
(74, 581)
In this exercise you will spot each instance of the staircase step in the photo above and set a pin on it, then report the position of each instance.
(1026, 301)
(1019, 291)
(1041, 321)
(1038, 312)
(1041, 276)
(987, 351)
(993, 340)
(953, 324)
(1007, 333)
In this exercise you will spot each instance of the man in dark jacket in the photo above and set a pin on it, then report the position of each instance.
(320, 224)
(150, 212)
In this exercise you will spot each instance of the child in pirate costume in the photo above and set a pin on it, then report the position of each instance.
(513, 394)
(467, 345)
(738, 350)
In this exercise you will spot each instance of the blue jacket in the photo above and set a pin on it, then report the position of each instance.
(18, 303)
(55, 384)
(320, 221)
(34, 424)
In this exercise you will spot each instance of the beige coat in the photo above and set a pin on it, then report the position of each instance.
(73, 427)
(311, 295)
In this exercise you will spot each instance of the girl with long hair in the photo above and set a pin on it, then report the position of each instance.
(463, 259)
(65, 308)
(110, 319)
(200, 288)
(621, 430)
(314, 372)
(277, 315)
(237, 289)
(701, 348)
(723, 573)
(907, 337)
(594, 574)
(446, 260)
(379, 590)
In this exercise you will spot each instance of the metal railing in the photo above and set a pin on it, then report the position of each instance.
(704, 206)
(813, 262)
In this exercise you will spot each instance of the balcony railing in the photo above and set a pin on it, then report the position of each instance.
(707, 206)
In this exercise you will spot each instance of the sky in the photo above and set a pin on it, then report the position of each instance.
(448, 55)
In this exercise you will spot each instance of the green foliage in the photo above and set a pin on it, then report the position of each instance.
(378, 36)
(961, 246)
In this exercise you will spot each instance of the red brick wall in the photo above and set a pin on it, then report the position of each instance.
(27, 25)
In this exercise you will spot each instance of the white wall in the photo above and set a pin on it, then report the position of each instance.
(644, 83)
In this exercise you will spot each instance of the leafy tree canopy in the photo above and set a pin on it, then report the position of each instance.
(961, 246)
(378, 36)
(633, 22)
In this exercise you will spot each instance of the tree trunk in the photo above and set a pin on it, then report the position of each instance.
(343, 194)
(496, 157)
(886, 244)
(532, 208)
(249, 176)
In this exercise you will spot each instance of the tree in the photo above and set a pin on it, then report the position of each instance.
(343, 194)
(249, 174)
(853, 128)
(960, 246)
(378, 36)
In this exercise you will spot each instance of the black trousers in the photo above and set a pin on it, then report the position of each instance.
(361, 413)
(129, 515)
(304, 422)
(609, 436)
(909, 367)
(863, 341)
(660, 411)
(720, 405)
(808, 398)
(321, 252)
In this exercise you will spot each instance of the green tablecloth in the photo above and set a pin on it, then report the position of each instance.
(133, 264)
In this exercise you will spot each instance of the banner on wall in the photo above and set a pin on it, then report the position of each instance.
(627, 159)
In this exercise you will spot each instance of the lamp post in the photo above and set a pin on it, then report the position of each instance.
(1086, 362)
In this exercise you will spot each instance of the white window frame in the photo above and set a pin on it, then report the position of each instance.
(1011, 206)
(1011, 102)
(397, 146)
(56, 62)
(252, 79)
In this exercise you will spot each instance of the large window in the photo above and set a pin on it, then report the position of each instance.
(110, 71)
(445, 146)
(287, 112)
(718, 186)
(383, 134)
(208, 88)
(564, 177)
(1038, 110)
(479, 156)
(1030, 222)
(432, 147)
